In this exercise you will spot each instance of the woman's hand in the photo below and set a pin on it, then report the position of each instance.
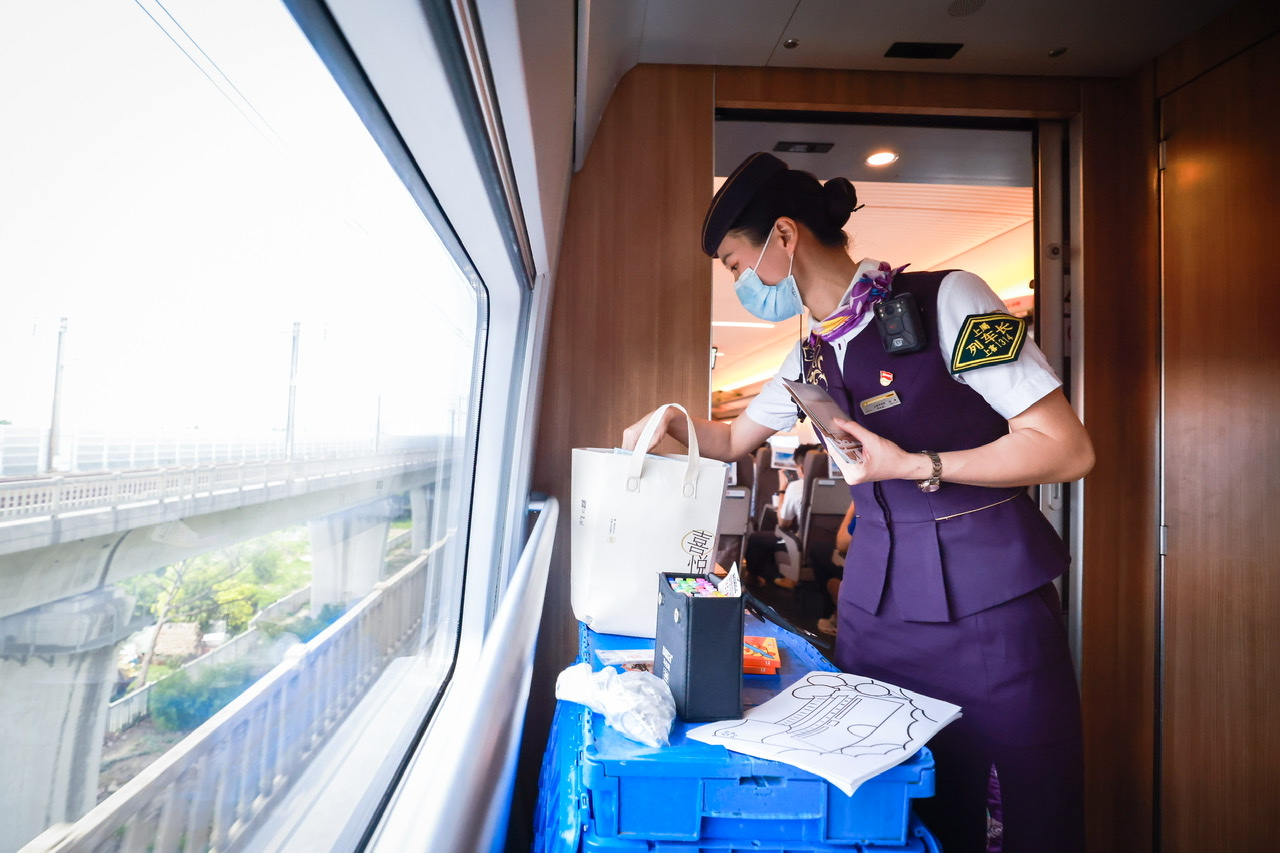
(726, 442)
(631, 435)
(881, 458)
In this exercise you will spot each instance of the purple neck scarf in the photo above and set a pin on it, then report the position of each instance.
(869, 290)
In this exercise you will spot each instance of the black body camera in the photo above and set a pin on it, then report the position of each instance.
(901, 329)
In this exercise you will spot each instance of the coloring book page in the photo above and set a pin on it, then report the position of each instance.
(844, 728)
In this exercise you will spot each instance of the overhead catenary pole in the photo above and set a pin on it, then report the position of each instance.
(55, 428)
(293, 394)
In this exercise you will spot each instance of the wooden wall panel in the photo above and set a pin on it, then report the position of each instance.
(1220, 744)
(1118, 286)
(631, 314)
(1243, 26)
(897, 92)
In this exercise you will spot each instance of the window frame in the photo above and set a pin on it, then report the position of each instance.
(426, 95)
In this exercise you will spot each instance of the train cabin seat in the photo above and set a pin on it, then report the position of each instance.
(764, 484)
(824, 503)
(735, 513)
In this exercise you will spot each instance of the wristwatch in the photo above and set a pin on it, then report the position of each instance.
(935, 478)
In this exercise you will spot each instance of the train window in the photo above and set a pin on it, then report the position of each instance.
(237, 425)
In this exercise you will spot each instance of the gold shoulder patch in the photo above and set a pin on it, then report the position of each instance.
(987, 339)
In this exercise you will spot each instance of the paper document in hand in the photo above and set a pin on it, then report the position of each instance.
(817, 404)
(844, 728)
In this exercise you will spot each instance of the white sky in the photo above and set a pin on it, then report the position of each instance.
(182, 237)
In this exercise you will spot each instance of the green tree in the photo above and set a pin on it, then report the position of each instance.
(223, 585)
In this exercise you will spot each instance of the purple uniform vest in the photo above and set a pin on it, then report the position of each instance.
(960, 549)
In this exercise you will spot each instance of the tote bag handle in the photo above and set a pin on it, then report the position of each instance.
(636, 468)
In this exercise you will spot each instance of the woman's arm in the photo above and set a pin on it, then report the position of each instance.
(1046, 444)
(725, 442)
(843, 536)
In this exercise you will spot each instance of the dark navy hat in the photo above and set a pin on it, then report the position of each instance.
(735, 194)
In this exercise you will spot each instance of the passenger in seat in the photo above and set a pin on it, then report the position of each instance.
(763, 546)
(948, 584)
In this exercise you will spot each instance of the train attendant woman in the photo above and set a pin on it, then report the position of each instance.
(947, 584)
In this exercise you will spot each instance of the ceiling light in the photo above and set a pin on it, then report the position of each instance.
(734, 324)
(750, 380)
(882, 158)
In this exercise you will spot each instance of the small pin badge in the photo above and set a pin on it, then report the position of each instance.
(885, 377)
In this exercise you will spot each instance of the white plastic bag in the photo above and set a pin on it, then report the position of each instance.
(638, 705)
(633, 515)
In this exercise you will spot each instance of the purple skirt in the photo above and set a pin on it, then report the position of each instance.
(1009, 669)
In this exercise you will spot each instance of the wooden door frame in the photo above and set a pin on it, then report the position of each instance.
(1114, 223)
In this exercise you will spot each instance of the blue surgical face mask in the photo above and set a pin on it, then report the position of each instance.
(773, 303)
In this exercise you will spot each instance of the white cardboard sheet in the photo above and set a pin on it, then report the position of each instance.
(844, 728)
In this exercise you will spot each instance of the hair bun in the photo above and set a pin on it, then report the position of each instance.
(841, 198)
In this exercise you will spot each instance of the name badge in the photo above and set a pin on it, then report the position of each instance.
(878, 404)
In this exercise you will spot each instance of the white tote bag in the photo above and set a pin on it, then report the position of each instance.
(633, 515)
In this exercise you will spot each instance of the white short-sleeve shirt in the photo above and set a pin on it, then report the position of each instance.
(1009, 388)
(792, 498)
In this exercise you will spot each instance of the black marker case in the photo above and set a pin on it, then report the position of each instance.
(698, 651)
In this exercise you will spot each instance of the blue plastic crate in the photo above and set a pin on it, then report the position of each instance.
(692, 792)
(562, 802)
(920, 841)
